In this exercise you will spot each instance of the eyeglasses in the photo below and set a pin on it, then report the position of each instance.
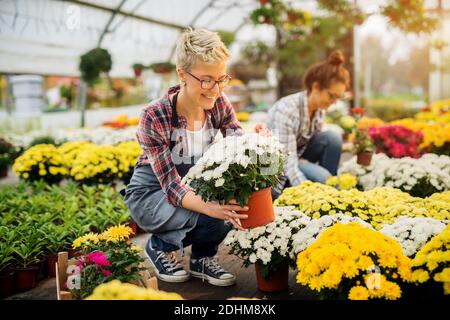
(334, 96)
(209, 84)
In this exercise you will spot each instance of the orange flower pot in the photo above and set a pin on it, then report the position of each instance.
(260, 210)
(364, 158)
(277, 282)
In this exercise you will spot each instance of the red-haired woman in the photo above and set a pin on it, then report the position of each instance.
(298, 119)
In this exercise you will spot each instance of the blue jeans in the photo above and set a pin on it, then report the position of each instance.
(324, 148)
(204, 238)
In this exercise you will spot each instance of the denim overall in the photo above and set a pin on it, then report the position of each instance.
(172, 227)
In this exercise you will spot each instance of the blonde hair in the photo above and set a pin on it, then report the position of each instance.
(200, 44)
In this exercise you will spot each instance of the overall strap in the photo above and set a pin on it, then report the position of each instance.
(174, 120)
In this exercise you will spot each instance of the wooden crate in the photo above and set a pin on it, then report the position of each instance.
(145, 279)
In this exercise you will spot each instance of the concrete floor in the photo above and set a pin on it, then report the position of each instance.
(193, 289)
(246, 285)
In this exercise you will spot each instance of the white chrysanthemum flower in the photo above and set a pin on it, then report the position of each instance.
(402, 173)
(259, 244)
(413, 233)
(219, 182)
(308, 235)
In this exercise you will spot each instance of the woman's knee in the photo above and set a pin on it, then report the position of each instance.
(320, 176)
(333, 138)
(315, 172)
(213, 229)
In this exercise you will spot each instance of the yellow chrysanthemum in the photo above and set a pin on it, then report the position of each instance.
(432, 261)
(358, 293)
(349, 251)
(117, 233)
(447, 288)
(116, 290)
(377, 206)
(332, 181)
(42, 161)
(136, 248)
(86, 239)
(347, 181)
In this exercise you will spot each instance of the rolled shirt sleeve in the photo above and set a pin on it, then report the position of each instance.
(154, 140)
(283, 127)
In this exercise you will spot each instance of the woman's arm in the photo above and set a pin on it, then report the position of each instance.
(213, 209)
(154, 141)
(284, 129)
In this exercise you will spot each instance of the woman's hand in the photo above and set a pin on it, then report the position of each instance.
(227, 212)
(262, 129)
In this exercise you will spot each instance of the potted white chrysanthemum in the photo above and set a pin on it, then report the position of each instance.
(308, 235)
(413, 232)
(270, 248)
(243, 169)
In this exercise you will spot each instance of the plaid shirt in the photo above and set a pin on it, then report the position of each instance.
(156, 129)
(289, 121)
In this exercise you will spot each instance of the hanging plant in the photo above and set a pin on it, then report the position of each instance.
(258, 53)
(345, 9)
(270, 12)
(409, 16)
(298, 22)
(93, 62)
(162, 67)
(138, 68)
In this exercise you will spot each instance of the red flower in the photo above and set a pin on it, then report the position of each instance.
(99, 258)
(396, 141)
(106, 273)
(358, 110)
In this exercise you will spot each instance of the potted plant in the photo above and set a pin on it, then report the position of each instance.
(93, 63)
(363, 147)
(107, 163)
(162, 67)
(138, 68)
(6, 262)
(270, 248)
(41, 162)
(7, 151)
(353, 262)
(28, 251)
(125, 291)
(347, 123)
(397, 141)
(242, 169)
(105, 257)
(56, 239)
(429, 268)
(269, 12)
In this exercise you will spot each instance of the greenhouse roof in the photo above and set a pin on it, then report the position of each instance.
(48, 36)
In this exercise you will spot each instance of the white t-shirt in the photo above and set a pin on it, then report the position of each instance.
(197, 141)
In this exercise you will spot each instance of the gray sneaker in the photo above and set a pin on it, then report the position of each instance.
(208, 268)
(166, 265)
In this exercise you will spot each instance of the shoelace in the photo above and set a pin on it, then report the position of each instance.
(169, 261)
(212, 264)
